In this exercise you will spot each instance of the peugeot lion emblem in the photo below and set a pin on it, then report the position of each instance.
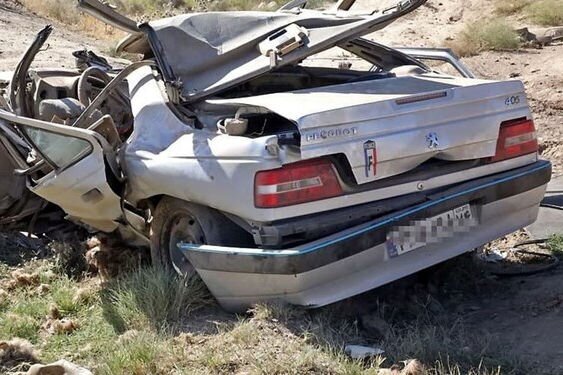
(432, 140)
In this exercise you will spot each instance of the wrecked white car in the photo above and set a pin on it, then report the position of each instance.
(228, 152)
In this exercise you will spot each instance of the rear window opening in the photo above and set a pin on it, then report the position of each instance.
(357, 61)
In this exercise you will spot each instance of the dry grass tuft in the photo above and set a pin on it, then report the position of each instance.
(496, 35)
(508, 7)
(153, 298)
(275, 312)
(546, 12)
(541, 12)
(414, 367)
(110, 257)
(65, 11)
(23, 279)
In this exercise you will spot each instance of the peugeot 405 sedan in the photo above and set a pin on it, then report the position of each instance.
(228, 151)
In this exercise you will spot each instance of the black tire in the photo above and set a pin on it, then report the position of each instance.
(176, 220)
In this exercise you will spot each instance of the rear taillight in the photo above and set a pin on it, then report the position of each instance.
(295, 183)
(516, 138)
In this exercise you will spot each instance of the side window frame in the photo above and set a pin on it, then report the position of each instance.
(78, 157)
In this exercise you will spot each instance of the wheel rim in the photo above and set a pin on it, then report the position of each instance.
(183, 229)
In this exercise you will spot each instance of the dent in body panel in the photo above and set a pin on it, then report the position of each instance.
(165, 156)
(71, 187)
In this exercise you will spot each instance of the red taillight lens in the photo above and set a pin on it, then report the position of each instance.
(295, 183)
(516, 138)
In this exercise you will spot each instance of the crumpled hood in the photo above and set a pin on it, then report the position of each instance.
(203, 53)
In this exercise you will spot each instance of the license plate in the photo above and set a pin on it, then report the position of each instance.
(419, 233)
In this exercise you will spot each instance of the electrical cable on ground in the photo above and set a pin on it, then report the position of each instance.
(553, 263)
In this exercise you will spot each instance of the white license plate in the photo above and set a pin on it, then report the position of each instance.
(419, 233)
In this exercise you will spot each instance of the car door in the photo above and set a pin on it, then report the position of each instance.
(78, 165)
(16, 201)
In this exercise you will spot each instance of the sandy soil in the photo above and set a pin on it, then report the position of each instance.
(18, 28)
(525, 312)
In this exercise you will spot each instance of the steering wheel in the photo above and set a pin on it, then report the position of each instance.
(91, 82)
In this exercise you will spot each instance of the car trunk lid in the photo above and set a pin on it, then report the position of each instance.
(391, 126)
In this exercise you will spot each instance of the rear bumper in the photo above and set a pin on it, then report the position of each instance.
(356, 259)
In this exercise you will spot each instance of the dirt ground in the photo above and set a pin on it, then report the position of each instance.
(525, 313)
(18, 27)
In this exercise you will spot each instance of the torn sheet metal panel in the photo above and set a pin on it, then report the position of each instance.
(165, 156)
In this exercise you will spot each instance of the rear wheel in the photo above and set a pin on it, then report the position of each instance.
(177, 221)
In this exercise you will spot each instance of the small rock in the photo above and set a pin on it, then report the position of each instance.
(362, 352)
(61, 367)
(455, 17)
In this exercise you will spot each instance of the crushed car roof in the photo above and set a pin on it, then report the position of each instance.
(201, 54)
